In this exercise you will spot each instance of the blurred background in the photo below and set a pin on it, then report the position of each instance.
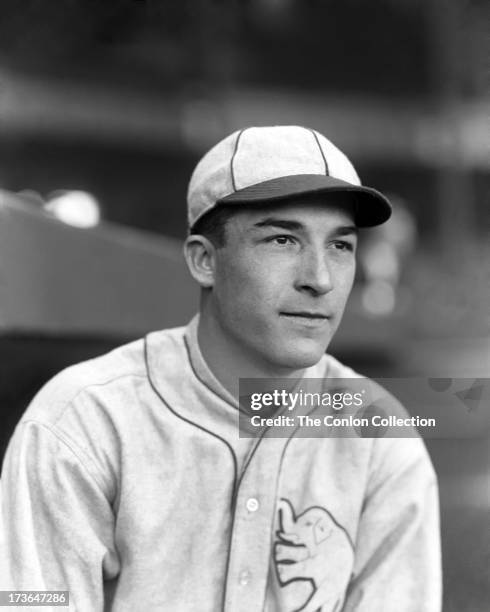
(106, 107)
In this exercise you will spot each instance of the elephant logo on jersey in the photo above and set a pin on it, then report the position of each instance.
(312, 548)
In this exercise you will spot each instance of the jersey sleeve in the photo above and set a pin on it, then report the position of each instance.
(58, 520)
(398, 559)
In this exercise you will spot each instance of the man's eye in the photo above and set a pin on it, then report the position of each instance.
(282, 240)
(342, 245)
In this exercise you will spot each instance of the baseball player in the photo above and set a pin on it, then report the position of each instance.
(126, 483)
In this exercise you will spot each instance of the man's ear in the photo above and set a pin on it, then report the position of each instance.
(200, 256)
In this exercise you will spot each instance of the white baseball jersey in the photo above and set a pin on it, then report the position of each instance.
(126, 483)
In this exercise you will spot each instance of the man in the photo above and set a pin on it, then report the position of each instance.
(126, 482)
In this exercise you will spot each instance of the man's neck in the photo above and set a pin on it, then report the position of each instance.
(229, 361)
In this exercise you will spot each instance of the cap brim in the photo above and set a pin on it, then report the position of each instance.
(371, 207)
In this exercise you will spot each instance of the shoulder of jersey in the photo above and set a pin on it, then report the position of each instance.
(122, 362)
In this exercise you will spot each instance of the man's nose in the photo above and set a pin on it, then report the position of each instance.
(314, 274)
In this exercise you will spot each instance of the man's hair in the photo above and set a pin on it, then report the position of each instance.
(213, 224)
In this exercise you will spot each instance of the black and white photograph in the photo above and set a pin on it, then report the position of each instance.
(245, 305)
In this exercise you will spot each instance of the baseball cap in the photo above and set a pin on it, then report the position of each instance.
(260, 165)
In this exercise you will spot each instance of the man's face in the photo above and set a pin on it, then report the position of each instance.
(282, 280)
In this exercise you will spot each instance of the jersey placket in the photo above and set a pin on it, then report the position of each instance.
(253, 521)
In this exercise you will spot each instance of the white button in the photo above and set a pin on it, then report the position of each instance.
(244, 577)
(252, 504)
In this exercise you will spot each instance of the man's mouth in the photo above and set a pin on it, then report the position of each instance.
(306, 318)
(306, 314)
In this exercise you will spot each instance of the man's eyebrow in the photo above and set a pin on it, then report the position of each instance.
(286, 224)
(347, 229)
(282, 223)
